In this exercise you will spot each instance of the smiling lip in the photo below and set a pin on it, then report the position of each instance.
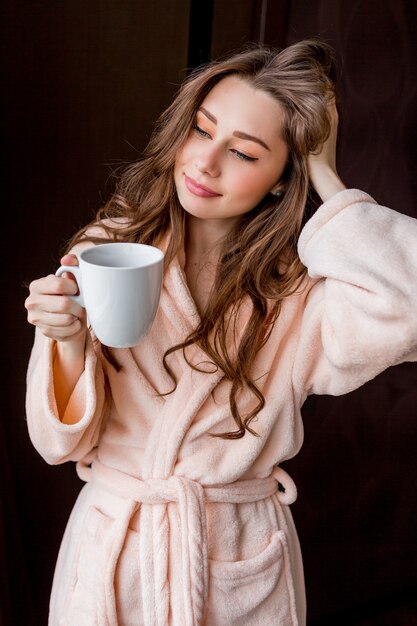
(199, 190)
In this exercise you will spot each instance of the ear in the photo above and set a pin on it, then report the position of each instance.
(278, 190)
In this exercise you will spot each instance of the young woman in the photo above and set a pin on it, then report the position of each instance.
(184, 519)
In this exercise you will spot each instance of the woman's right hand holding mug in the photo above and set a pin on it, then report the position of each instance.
(53, 311)
(59, 317)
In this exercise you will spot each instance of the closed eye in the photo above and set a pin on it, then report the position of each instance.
(200, 131)
(242, 156)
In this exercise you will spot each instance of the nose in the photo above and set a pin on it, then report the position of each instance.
(207, 161)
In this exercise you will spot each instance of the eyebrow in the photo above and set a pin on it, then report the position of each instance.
(237, 133)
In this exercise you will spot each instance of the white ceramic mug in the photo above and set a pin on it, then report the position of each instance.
(120, 286)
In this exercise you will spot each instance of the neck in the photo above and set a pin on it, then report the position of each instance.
(203, 242)
(204, 238)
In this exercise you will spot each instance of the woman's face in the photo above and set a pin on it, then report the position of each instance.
(234, 154)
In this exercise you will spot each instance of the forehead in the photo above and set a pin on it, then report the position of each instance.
(234, 101)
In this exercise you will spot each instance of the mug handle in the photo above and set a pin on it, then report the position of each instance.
(73, 269)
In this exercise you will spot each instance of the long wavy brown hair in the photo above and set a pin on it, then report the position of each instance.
(258, 263)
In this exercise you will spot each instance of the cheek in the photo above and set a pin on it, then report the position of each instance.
(185, 152)
(258, 182)
(253, 186)
(180, 162)
(179, 158)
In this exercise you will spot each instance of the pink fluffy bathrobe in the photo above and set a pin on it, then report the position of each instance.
(175, 527)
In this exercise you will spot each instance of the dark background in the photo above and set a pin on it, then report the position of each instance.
(83, 81)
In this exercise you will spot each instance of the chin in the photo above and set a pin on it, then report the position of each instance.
(194, 206)
(196, 211)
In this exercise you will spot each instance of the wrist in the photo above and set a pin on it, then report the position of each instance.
(71, 350)
(325, 181)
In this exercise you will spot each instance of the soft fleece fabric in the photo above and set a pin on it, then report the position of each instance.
(175, 527)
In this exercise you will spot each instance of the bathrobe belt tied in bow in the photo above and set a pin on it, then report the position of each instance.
(191, 497)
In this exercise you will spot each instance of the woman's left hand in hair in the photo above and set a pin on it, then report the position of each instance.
(322, 164)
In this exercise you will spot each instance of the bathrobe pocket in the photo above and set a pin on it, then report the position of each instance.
(254, 591)
(105, 575)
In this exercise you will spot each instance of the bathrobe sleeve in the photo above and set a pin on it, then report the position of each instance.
(360, 315)
(56, 441)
